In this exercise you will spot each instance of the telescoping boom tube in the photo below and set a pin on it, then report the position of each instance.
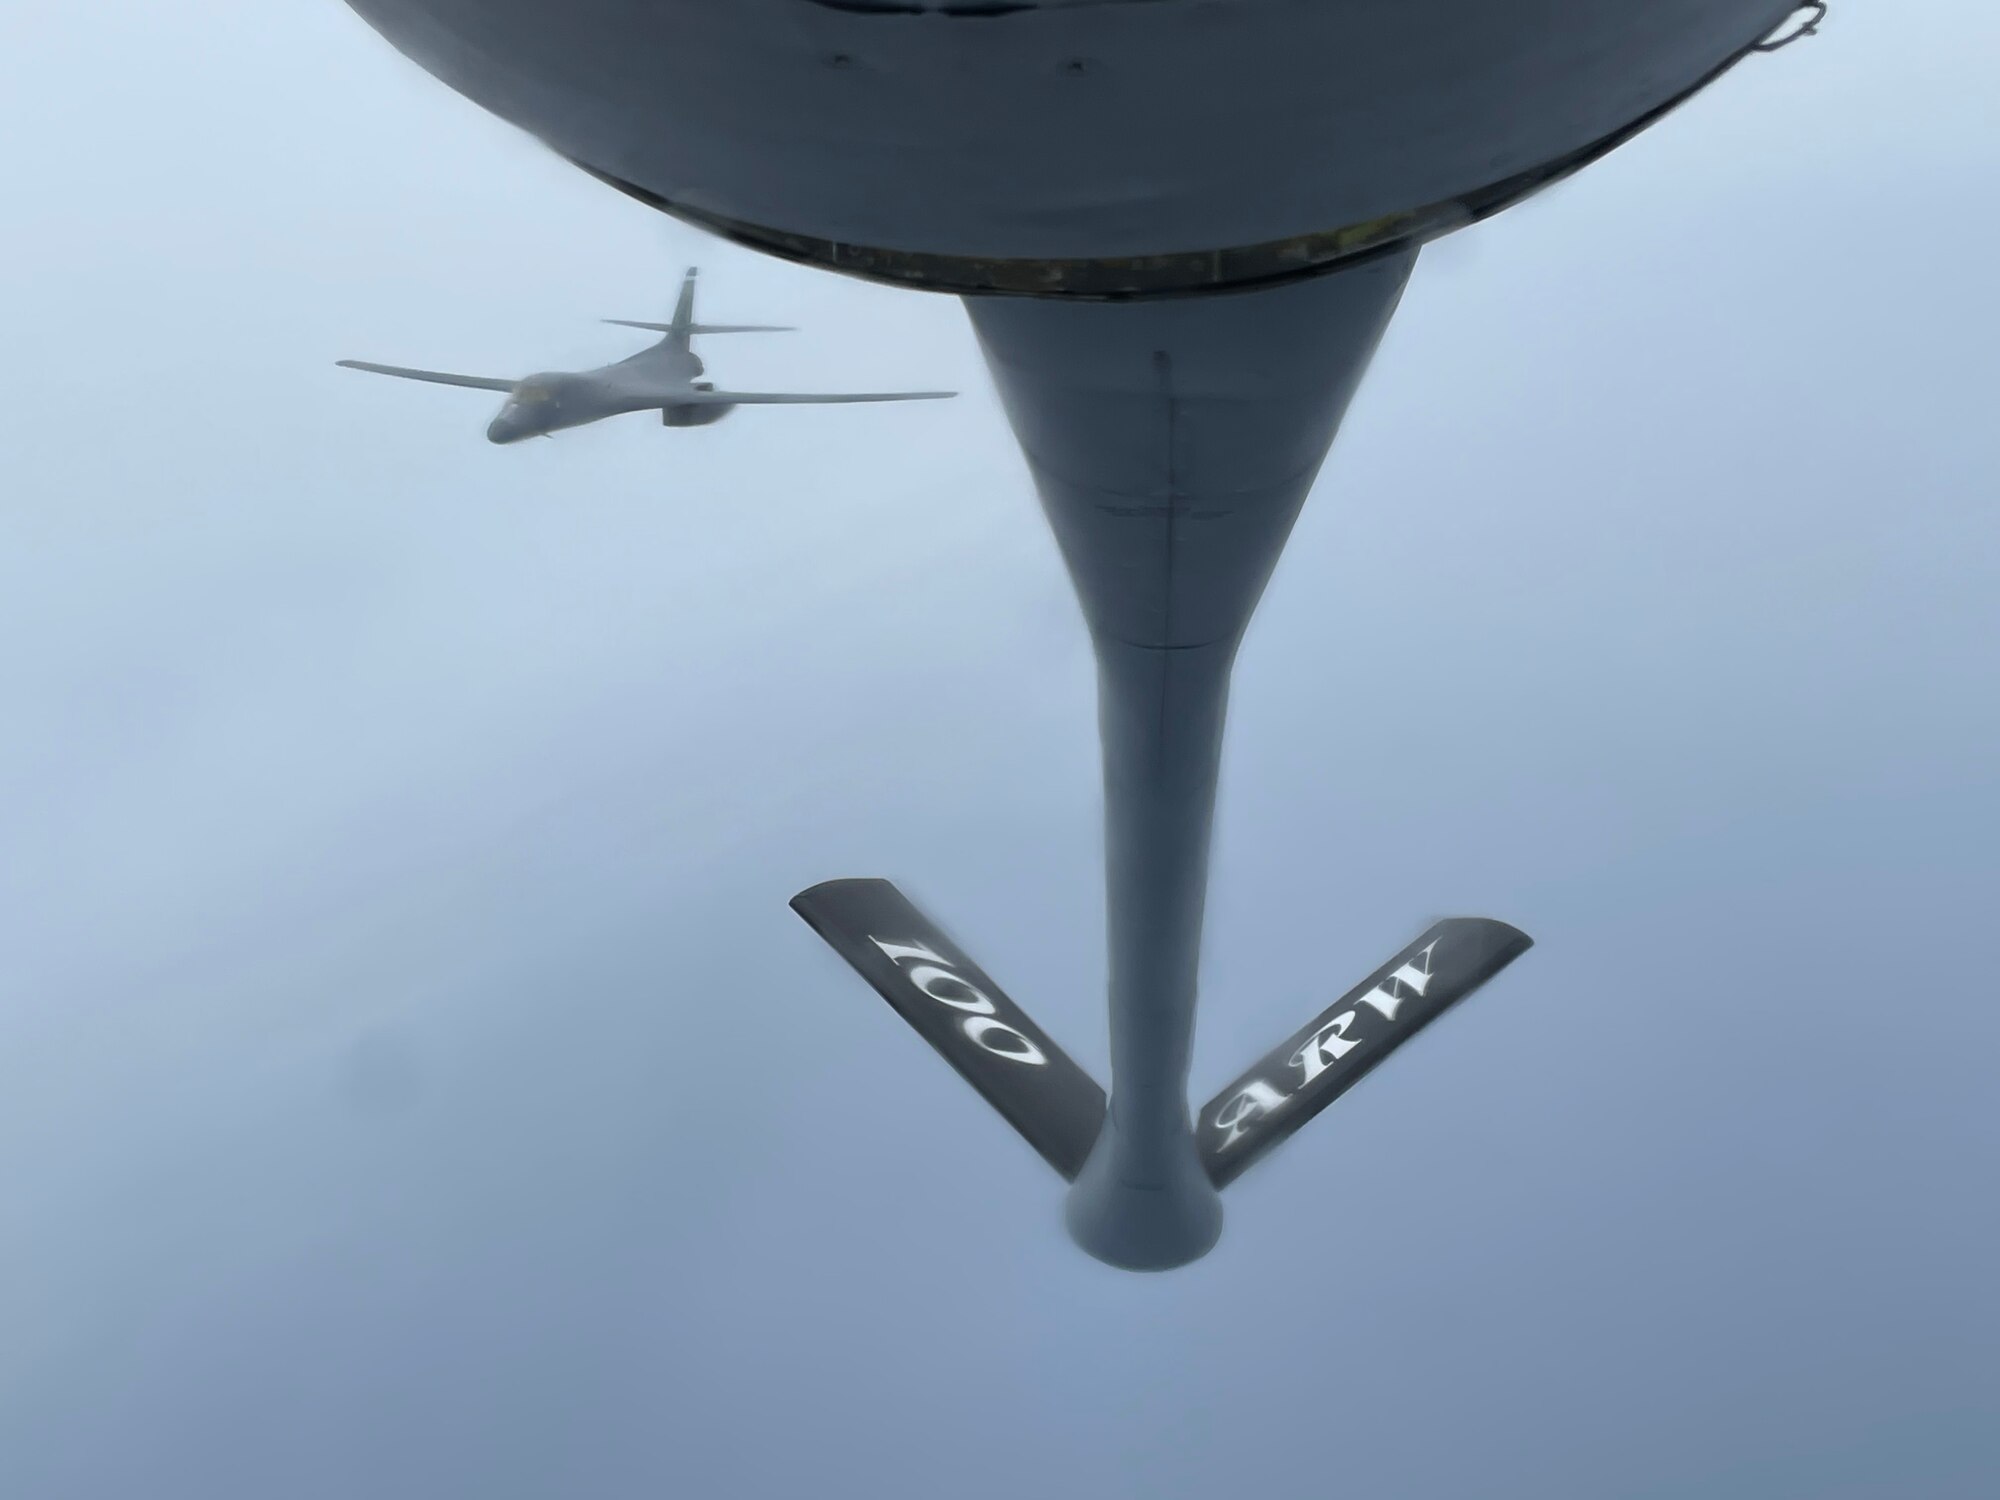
(1172, 443)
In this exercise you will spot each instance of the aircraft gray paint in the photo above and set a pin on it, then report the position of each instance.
(661, 378)
(1180, 228)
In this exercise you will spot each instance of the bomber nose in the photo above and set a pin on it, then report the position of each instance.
(502, 429)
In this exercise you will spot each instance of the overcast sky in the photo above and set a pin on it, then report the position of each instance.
(413, 1086)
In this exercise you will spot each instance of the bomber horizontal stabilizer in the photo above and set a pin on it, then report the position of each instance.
(953, 1004)
(1316, 1065)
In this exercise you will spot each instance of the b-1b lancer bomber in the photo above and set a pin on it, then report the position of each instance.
(663, 378)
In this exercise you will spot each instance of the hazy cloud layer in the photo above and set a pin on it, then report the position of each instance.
(412, 1084)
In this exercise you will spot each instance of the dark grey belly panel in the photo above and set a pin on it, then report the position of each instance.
(1078, 129)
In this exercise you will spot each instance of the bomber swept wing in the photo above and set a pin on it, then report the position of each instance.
(670, 392)
(436, 377)
(692, 328)
(792, 398)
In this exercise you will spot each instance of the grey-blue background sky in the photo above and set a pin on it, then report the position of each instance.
(413, 1085)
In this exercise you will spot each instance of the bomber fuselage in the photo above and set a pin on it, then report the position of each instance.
(556, 399)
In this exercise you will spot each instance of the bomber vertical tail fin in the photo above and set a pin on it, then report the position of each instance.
(684, 308)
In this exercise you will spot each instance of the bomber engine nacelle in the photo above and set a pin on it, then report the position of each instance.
(694, 416)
